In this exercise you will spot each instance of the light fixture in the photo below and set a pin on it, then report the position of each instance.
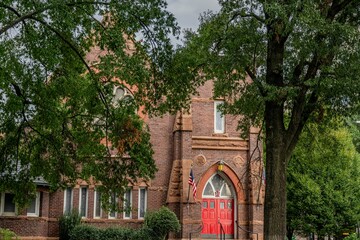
(220, 165)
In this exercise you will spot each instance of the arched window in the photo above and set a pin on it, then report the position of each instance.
(121, 93)
(217, 186)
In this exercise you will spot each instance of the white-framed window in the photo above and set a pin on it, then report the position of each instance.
(97, 204)
(113, 202)
(142, 205)
(127, 204)
(68, 200)
(34, 207)
(219, 119)
(83, 201)
(7, 204)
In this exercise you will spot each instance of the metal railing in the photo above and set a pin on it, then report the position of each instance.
(196, 231)
(222, 231)
(248, 231)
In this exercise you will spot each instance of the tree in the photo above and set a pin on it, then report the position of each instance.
(58, 119)
(277, 63)
(323, 176)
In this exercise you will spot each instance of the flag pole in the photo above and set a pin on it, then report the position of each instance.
(188, 200)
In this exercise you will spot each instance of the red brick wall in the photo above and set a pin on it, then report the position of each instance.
(170, 145)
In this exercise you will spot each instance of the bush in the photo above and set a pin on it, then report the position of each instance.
(85, 232)
(117, 234)
(352, 236)
(156, 226)
(143, 234)
(161, 222)
(6, 234)
(67, 223)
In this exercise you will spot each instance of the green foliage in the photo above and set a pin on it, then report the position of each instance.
(156, 227)
(353, 124)
(323, 176)
(144, 233)
(161, 222)
(117, 233)
(67, 222)
(85, 232)
(353, 236)
(6, 234)
(56, 98)
(277, 64)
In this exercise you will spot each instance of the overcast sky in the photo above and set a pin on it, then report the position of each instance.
(187, 12)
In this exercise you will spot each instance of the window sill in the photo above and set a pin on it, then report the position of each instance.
(220, 135)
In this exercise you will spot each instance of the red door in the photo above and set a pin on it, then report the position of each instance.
(214, 212)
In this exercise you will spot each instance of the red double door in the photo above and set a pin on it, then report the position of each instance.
(214, 212)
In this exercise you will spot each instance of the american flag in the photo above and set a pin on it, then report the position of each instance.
(192, 183)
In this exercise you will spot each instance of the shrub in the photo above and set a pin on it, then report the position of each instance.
(67, 223)
(6, 234)
(352, 236)
(117, 234)
(85, 232)
(143, 234)
(161, 222)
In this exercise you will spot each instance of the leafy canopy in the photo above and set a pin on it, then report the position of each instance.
(316, 70)
(59, 64)
(323, 176)
(278, 64)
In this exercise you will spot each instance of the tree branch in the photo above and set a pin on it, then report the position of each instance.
(244, 15)
(336, 7)
(254, 78)
(35, 12)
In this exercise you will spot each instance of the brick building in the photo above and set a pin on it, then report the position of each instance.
(230, 189)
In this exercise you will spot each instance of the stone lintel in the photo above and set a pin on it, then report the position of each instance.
(219, 143)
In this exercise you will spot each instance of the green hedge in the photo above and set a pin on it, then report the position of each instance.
(85, 232)
(117, 234)
(156, 226)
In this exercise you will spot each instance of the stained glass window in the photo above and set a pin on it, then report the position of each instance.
(217, 187)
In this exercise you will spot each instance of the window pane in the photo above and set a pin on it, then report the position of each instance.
(83, 202)
(208, 190)
(9, 206)
(222, 205)
(112, 214)
(217, 181)
(127, 204)
(119, 93)
(142, 204)
(32, 206)
(68, 200)
(205, 205)
(212, 204)
(113, 202)
(219, 118)
(97, 204)
(225, 191)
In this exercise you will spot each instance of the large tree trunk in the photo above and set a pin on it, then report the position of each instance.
(276, 162)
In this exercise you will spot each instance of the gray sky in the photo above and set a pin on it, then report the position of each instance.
(187, 12)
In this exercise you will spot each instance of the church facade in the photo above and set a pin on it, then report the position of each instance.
(199, 146)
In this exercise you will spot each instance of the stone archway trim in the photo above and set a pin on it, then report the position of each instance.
(229, 173)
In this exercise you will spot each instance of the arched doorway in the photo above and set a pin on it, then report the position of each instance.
(218, 207)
